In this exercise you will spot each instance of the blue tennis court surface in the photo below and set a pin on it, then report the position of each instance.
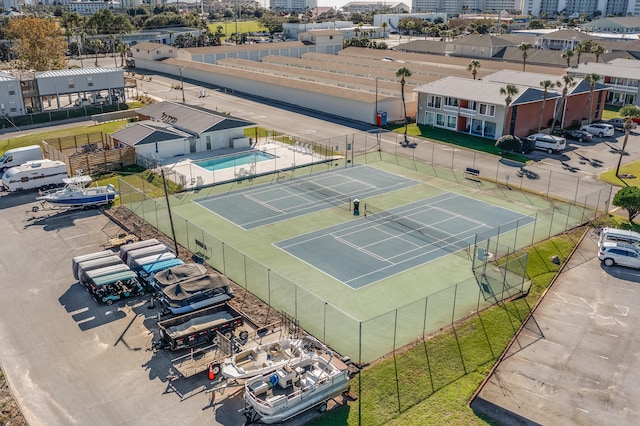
(367, 250)
(270, 203)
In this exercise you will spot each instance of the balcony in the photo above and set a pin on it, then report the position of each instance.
(622, 89)
(467, 112)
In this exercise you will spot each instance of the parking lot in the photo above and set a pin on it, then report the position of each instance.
(71, 360)
(574, 362)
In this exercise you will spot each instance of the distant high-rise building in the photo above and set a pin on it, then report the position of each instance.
(530, 7)
(465, 6)
(298, 6)
(578, 7)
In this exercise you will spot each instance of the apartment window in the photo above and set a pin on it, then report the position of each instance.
(90, 81)
(170, 50)
(70, 83)
(486, 109)
(434, 101)
(12, 89)
(157, 52)
(12, 107)
(452, 121)
(451, 101)
(439, 119)
(430, 118)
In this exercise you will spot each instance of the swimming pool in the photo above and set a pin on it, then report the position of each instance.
(229, 161)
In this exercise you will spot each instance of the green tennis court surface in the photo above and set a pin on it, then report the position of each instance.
(386, 243)
(267, 204)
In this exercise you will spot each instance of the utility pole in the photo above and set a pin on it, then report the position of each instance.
(181, 84)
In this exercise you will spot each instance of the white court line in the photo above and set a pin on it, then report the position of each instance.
(360, 249)
(262, 203)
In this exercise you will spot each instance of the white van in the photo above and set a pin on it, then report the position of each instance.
(17, 156)
(41, 174)
(548, 143)
(614, 235)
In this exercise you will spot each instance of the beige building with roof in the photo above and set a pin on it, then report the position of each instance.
(621, 76)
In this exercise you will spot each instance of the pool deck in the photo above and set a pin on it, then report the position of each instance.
(185, 171)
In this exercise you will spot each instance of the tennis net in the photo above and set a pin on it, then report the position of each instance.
(323, 193)
(414, 229)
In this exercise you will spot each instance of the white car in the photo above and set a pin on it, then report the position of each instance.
(599, 129)
(619, 254)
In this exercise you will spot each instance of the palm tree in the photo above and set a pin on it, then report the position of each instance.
(402, 73)
(384, 26)
(628, 112)
(568, 54)
(473, 67)
(582, 47)
(592, 79)
(510, 90)
(524, 47)
(567, 83)
(597, 49)
(546, 85)
(96, 45)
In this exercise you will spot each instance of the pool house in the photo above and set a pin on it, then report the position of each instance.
(197, 147)
(168, 129)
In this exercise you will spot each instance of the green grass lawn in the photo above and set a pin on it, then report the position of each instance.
(231, 27)
(632, 168)
(456, 138)
(36, 138)
(610, 112)
(458, 358)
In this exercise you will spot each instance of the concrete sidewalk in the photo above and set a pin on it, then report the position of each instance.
(575, 360)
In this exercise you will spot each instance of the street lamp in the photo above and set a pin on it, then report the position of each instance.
(181, 84)
(375, 113)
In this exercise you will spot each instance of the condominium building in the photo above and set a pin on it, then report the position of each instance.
(462, 6)
(578, 7)
(293, 5)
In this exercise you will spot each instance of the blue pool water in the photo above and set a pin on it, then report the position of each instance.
(235, 160)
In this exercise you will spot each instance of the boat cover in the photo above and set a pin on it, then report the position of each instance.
(185, 289)
(179, 273)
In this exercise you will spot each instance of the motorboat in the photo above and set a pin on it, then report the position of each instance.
(196, 293)
(266, 358)
(77, 193)
(303, 384)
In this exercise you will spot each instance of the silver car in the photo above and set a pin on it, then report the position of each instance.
(619, 254)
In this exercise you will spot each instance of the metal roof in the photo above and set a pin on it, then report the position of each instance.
(5, 76)
(76, 72)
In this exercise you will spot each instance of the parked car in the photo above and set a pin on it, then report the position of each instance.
(618, 123)
(599, 129)
(99, 99)
(548, 143)
(577, 135)
(619, 254)
(81, 102)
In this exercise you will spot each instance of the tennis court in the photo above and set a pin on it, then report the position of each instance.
(269, 203)
(382, 243)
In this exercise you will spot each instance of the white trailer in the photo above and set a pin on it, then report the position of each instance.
(146, 252)
(40, 174)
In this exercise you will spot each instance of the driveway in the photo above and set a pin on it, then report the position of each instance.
(575, 362)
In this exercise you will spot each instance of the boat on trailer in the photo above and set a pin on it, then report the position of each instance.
(266, 358)
(303, 384)
(77, 193)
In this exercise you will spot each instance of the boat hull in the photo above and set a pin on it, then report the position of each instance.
(78, 201)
